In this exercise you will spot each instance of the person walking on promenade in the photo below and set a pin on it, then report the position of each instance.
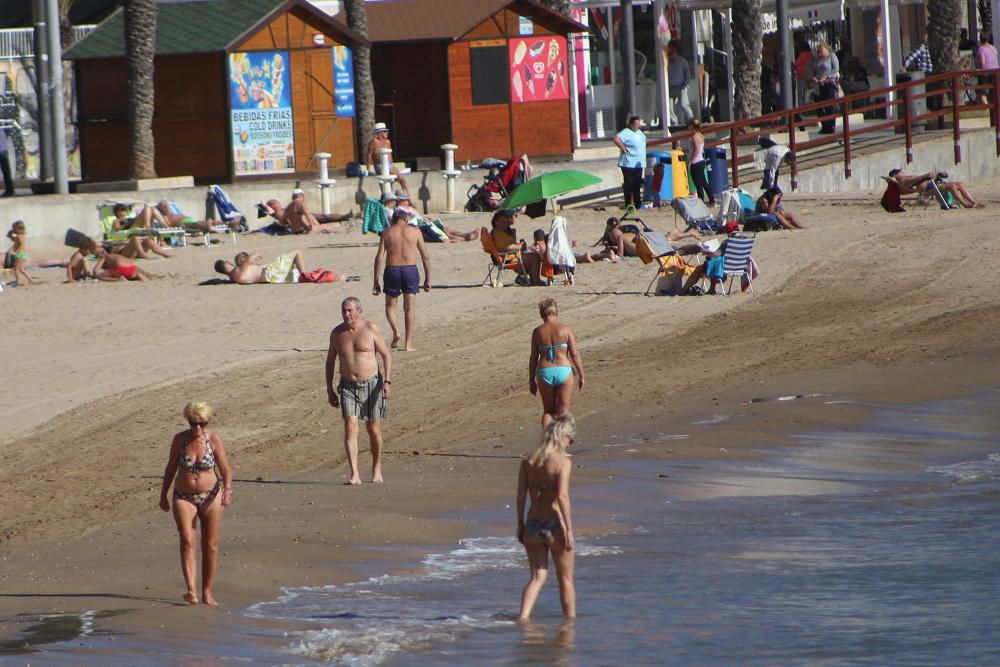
(398, 249)
(199, 495)
(362, 392)
(632, 143)
(548, 526)
(554, 359)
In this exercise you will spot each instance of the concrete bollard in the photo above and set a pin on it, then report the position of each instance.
(449, 174)
(324, 181)
(385, 176)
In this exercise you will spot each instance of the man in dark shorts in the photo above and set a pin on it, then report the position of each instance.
(363, 392)
(398, 249)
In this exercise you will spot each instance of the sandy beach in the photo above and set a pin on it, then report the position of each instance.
(97, 374)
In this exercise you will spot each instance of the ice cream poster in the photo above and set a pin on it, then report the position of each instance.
(260, 101)
(343, 81)
(538, 69)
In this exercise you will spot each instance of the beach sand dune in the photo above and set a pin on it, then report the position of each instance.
(97, 376)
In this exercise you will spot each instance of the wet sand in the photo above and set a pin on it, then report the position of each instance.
(898, 307)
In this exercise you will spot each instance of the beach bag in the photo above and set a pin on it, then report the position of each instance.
(675, 273)
(891, 201)
(318, 276)
(761, 222)
(747, 203)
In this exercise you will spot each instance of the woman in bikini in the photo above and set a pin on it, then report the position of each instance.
(554, 359)
(199, 494)
(548, 527)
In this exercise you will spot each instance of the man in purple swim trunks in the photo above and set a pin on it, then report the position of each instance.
(398, 250)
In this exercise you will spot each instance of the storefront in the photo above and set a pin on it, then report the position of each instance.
(243, 89)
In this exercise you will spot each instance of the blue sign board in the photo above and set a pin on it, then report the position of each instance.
(343, 81)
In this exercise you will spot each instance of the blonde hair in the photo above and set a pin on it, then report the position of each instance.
(198, 411)
(563, 426)
(547, 307)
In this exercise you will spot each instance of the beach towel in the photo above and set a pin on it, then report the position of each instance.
(560, 248)
(318, 276)
(374, 217)
(433, 231)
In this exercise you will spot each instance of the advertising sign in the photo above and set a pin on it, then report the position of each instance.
(538, 69)
(343, 81)
(261, 113)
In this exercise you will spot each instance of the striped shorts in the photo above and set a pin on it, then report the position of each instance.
(363, 399)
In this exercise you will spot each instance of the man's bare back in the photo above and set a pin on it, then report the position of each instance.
(401, 245)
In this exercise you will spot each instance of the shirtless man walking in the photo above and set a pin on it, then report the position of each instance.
(362, 392)
(398, 248)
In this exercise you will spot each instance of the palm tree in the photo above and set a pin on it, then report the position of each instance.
(140, 47)
(986, 15)
(943, 21)
(364, 90)
(748, 40)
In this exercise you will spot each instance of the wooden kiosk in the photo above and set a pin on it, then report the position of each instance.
(492, 76)
(243, 89)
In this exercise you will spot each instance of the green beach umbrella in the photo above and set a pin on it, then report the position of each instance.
(549, 185)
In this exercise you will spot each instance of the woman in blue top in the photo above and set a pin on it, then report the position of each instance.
(554, 359)
(632, 143)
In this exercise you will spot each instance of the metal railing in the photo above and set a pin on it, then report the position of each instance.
(944, 94)
(20, 42)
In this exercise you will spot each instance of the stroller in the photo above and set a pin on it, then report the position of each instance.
(499, 182)
(228, 212)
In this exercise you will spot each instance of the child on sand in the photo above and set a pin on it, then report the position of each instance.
(112, 267)
(19, 253)
(76, 267)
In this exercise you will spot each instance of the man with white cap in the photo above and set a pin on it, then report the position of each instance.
(298, 218)
(381, 140)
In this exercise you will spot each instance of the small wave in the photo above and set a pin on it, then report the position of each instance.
(968, 471)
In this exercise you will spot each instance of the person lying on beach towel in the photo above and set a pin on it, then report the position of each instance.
(112, 267)
(174, 217)
(434, 231)
(297, 217)
(287, 268)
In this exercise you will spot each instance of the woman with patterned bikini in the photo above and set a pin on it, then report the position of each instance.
(199, 495)
(554, 359)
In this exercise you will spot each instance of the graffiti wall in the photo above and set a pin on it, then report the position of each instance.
(19, 116)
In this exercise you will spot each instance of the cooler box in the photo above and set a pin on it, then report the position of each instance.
(667, 176)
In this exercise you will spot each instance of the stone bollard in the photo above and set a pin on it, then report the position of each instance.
(324, 181)
(385, 176)
(449, 174)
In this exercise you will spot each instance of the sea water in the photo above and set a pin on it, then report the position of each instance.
(871, 545)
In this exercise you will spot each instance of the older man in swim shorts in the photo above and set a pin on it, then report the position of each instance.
(398, 248)
(363, 392)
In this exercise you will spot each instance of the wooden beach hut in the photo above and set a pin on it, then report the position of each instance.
(243, 89)
(489, 75)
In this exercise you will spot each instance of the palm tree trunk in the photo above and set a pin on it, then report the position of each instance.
(985, 16)
(140, 47)
(748, 42)
(943, 21)
(364, 90)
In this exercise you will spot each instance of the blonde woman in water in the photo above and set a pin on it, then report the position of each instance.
(548, 527)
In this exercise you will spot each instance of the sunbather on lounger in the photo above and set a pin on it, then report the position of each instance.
(298, 218)
(181, 219)
(112, 267)
(505, 238)
(144, 219)
(770, 202)
(916, 184)
(621, 238)
(248, 269)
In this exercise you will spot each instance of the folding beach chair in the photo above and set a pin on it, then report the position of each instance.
(737, 262)
(106, 217)
(695, 214)
(652, 247)
(228, 212)
(500, 260)
(892, 199)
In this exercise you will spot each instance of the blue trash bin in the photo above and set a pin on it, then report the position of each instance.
(657, 161)
(718, 175)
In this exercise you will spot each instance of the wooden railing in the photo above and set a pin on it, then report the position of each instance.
(944, 94)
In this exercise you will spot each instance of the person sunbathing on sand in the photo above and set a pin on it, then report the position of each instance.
(112, 267)
(621, 238)
(248, 269)
(298, 218)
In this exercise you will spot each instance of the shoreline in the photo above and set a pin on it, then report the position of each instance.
(649, 361)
